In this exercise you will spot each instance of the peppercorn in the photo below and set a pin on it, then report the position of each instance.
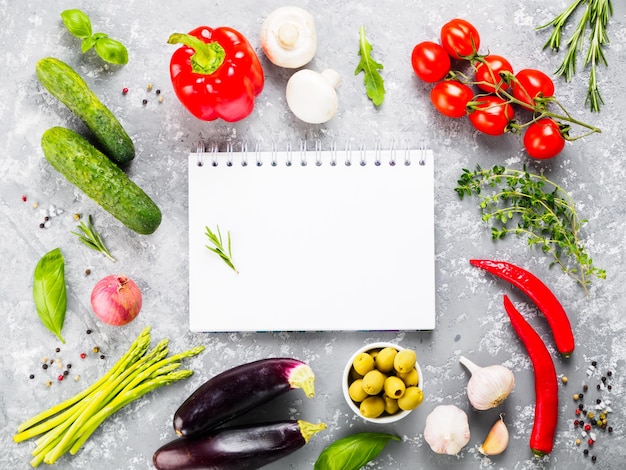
(144, 101)
(610, 429)
(158, 92)
(87, 272)
(586, 451)
(603, 379)
(577, 411)
(593, 458)
(60, 377)
(66, 372)
(577, 442)
(609, 387)
(101, 356)
(590, 442)
(88, 332)
(42, 225)
(585, 387)
(96, 349)
(31, 376)
(564, 379)
(69, 366)
(609, 373)
(598, 387)
(591, 415)
(575, 422)
(44, 366)
(598, 401)
(49, 383)
(576, 396)
(83, 355)
(149, 87)
(124, 90)
(587, 427)
(581, 406)
(594, 363)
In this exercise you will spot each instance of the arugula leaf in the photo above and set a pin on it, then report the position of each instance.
(353, 452)
(374, 82)
(49, 291)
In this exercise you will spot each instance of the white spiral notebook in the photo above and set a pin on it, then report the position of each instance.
(322, 239)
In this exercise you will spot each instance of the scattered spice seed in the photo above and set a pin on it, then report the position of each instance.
(35, 205)
(144, 101)
(69, 366)
(160, 99)
(24, 198)
(590, 442)
(42, 225)
(149, 87)
(83, 355)
(44, 366)
(60, 377)
(577, 442)
(585, 387)
(88, 332)
(593, 458)
(49, 383)
(594, 363)
(76, 216)
(609, 373)
(124, 91)
(76, 378)
(586, 451)
(564, 379)
(31, 376)
(57, 350)
(158, 92)
(101, 356)
(96, 349)
(576, 396)
(87, 272)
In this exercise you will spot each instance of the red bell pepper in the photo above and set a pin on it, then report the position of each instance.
(216, 74)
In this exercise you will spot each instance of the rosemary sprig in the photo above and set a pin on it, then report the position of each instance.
(524, 203)
(595, 17)
(90, 237)
(224, 253)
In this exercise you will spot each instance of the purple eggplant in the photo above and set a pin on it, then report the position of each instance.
(238, 390)
(237, 447)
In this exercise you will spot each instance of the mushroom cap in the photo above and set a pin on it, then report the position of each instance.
(311, 96)
(289, 37)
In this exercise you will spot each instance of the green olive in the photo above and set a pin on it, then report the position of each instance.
(363, 363)
(405, 361)
(384, 360)
(373, 382)
(394, 387)
(372, 407)
(356, 391)
(410, 378)
(412, 398)
(391, 405)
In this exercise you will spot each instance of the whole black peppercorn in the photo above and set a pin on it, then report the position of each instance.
(69, 366)
(88, 332)
(44, 366)
(594, 363)
(603, 379)
(586, 451)
(610, 429)
(58, 349)
(609, 387)
(598, 387)
(609, 373)
(598, 401)
(66, 372)
(101, 356)
(585, 387)
(31, 376)
(42, 225)
(144, 101)
(581, 406)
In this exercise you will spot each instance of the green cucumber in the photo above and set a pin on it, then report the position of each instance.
(99, 178)
(71, 90)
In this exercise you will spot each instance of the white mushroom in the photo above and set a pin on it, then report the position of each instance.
(288, 37)
(311, 96)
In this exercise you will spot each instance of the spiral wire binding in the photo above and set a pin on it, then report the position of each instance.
(318, 154)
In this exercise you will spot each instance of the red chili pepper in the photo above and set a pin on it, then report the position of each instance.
(216, 74)
(546, 386)
(542, 297)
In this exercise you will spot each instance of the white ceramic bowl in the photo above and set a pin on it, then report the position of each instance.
(384, 418)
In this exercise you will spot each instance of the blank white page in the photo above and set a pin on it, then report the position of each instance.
(324, 245)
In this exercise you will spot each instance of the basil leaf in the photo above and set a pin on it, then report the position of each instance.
(87, 44)
(77, 23)
(112, 51)
(49, 291)
(353, 452)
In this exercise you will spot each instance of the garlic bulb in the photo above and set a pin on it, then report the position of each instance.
(488, 386)
(497, 439)
(447, 429)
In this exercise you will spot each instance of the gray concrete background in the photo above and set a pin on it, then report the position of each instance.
(470, 319)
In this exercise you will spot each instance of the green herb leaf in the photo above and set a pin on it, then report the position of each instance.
(77, 23)
(87, 44)
(524, 203)
(353, 452)
(112, 51)
(224, 253)
(374, 82)
(49, 291)
(90, 237)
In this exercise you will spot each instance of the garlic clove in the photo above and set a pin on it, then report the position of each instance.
(488, 386)
(447, 429)
(497, 439)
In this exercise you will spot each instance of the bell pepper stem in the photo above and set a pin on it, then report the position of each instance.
(207, 57)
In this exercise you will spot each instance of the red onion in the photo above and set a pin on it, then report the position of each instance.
(116, 300)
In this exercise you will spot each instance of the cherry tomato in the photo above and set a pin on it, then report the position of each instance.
(492, 115)
(460, 38)
(543, 139)
(451, 97)
(530, 84)
(430, 61)
(488, 73)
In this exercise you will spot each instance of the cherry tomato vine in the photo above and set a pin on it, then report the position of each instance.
(496, 92)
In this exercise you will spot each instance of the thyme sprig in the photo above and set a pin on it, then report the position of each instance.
(595, 17)
(524, 203)
(90, 237)
(218, 246)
